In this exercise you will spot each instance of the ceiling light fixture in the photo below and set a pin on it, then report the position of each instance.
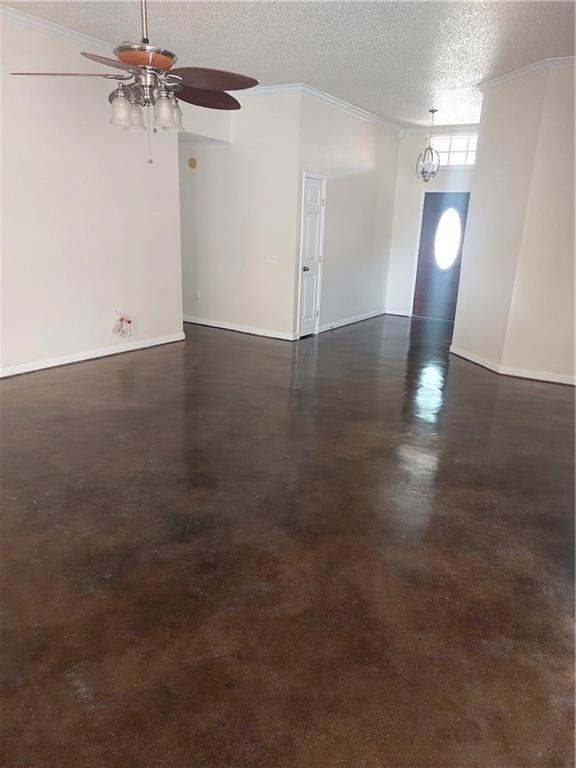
(428, 162)
(149, 79)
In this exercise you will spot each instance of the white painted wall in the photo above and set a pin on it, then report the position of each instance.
(540, 332)
(515, 310)
(408, 206)
(239, 212)
(504, 162)
(205, 124)
(87, 225)
(359, 158)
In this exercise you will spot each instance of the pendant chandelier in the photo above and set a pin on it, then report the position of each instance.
(428, 162)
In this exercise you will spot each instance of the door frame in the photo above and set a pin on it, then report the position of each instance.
(324, 179)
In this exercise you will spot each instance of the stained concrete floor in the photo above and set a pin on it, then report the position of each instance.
(235, 552)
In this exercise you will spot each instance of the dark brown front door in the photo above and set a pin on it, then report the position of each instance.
(443, 225)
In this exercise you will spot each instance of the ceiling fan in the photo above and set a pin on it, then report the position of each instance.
(150, 79)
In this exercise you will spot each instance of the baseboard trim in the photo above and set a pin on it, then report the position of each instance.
(240, 328)
(398, 313)
(518, 373)
(350, 321)
(53, 362)
(277, 334)
(472, 358)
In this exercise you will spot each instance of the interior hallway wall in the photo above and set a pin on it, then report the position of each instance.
(515, 311)
(359, 158)
(239, 212)
(408, 206)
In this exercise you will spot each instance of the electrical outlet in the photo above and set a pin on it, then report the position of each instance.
(271, 259)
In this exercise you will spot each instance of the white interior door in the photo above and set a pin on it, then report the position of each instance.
(311, 247)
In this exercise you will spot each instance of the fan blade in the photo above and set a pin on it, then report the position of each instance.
(107, 61)
(66, 74)
(213, 79)
(204, 98)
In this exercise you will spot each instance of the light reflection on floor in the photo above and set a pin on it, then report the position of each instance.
(429, 397)
(427, 362)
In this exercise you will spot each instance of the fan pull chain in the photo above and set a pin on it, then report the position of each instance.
(150, 161)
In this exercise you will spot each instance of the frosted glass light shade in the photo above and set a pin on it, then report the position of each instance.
(136, 119)
(163, 113)
(121, 112)
(177, 115)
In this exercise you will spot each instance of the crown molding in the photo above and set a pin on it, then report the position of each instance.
(561, 61)
(351, 109)
(326, 98)
(26, 20)
(286, 88)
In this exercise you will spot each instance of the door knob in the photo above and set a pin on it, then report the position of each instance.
(305, 269)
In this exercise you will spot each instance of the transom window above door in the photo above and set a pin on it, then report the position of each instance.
(458, 151)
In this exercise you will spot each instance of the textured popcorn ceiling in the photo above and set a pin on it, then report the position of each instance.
(395, 59)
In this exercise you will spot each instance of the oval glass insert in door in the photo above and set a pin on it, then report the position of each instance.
(447, 238)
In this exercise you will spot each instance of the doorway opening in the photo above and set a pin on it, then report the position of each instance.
(440, 254)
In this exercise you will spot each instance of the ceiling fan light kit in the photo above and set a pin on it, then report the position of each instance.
(428, 162)
(149, 80)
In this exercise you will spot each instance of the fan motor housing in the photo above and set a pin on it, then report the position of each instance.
(145, 55)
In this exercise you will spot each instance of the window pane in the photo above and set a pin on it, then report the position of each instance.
(447, 238)
(457, 158)
(472, 142)
(471, 158)
(443, 158)
(459, 144)
(440, 144)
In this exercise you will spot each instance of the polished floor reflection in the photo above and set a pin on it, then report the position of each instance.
(237, 552)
